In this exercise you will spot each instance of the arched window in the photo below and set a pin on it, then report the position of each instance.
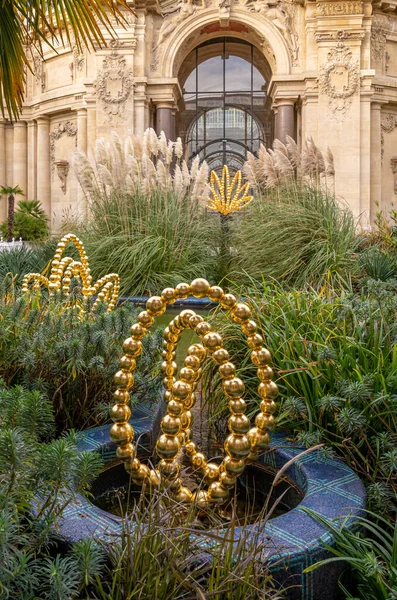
(224, 97)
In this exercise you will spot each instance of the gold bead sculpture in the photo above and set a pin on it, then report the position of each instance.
(228, 197)
(244, 444)
(106, 289)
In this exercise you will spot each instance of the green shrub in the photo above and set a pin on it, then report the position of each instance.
(38, 470)
(30, 221)
(296, 234)
(19, 261)
(72, 359)
(335, 359)
(378, 265)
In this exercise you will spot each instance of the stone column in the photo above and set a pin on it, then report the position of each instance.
(82, 145)
(20, 170)
(285, 120)
(91, 127)
(32, 160)
(376, 159)
(3, 199)
(164, 120)
(44, 164)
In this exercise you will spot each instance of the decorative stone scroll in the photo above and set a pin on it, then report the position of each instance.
(393, 164)
(39, 71)
(339, 78)
(387, 125)
(70, 129)
(114, 84)
(332, 9)
(380, 27)
(62, 170)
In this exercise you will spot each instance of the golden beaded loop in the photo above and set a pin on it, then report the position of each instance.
(64, 269)
(244, 442)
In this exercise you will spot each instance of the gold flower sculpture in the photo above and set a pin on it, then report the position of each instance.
(244, 443)
(106, 289)
(228, 197)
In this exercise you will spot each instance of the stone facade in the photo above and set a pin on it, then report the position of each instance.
(330, 67)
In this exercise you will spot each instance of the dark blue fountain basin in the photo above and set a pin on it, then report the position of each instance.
(295, 540)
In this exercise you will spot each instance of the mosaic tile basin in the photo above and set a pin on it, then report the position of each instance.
(294, 539)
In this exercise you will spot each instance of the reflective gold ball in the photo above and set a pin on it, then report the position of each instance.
(233, 388)
(137, 331)
(249, 327)
(124, 380)
(183, 495)
(185, 316)
(120, 412)
(211, 472)
(268, 406)
(127, 363)
(265, 422)
(169, 368)
(227, 370)
(199, 288)
(167, 446)
(182, 290)
(132, 347)
(241, 313)
(268, 390)
(265, 374)
(145, 319)
(125, 452)
(174, 408)
(238, 424)
(170, 425)
(212, 341)
(237, 406)
(203, 328)
(169, 468)
(258, 440)
(237, 446)
(121, 396)
(233, 467)
(198, 460)
(197, 350)
(121, 433)
(227, 481)
(255, 341)
(188, 375)
(192, 362)
(220, 356)
(215, 293)
(156, 306)
(181, 390)
(261, 357)
(168, 295)
(217, 493)
(228, 301)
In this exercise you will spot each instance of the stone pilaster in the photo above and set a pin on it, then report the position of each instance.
(3, 200)
(165, 120)
(20, 170)
(44, 164)
(285, 120)
(376, 158)
(32, 160)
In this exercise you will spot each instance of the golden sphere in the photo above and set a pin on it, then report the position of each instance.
(188, 435)
(190, 401)
(186, 419)
(255, 341)
(200, 499)
(156, 306)
(198, 460)
(121, 433)
(168, 295)
(227, 481)
(194, 321)
(215, 293)
(241, 313)
(237, 406)
(203, 328)
(192, 362)
(132, 465)
(132, 347)
(168, 346)
(124, 380)
(188, 375)
(175, 408)
(168, 355)
(268, 390)
(154, 478)
(182, 290)
(233, 467)
(181, 438)
(181, 390)
(121, 396)
(120, 412)
(261, 357)
(268, 406)
(249, 327)
(174, 327)
(145, 319)
(217, 493)
(169, 468)
(169, 368)
(220, 356)
(238, 424)
(227, 370)
(265, 374)
(212, 341)
(211, 472)
(167, 446)
(228, 301)
(170, 425)
(233, 388)
(125, 452)
(185, 316)
(190, 449)
(199, 287)
(237, 446)
(183, 495)
(168, 382)
(127, 363)
(167, 395)
(265, 422)
(197, 350)
(175, 485)
(141, 475)
(137, 331)
(258, 440)
(172, 338)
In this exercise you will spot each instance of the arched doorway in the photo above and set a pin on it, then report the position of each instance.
(224, 113)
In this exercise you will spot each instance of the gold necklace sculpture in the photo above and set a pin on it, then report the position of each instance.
(107, 288)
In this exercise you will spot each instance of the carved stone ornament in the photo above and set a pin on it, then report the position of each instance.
(393, 165)
(332, 9)
(62, 167)
(380, 28)
(339, 78)
(39, 70)
(387, 124)
(70, 129)
(114, 84)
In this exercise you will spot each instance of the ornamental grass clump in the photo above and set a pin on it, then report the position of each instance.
(70, 356)
(335, 358)
(147, 217)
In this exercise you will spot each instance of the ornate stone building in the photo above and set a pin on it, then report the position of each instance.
(225, 76)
